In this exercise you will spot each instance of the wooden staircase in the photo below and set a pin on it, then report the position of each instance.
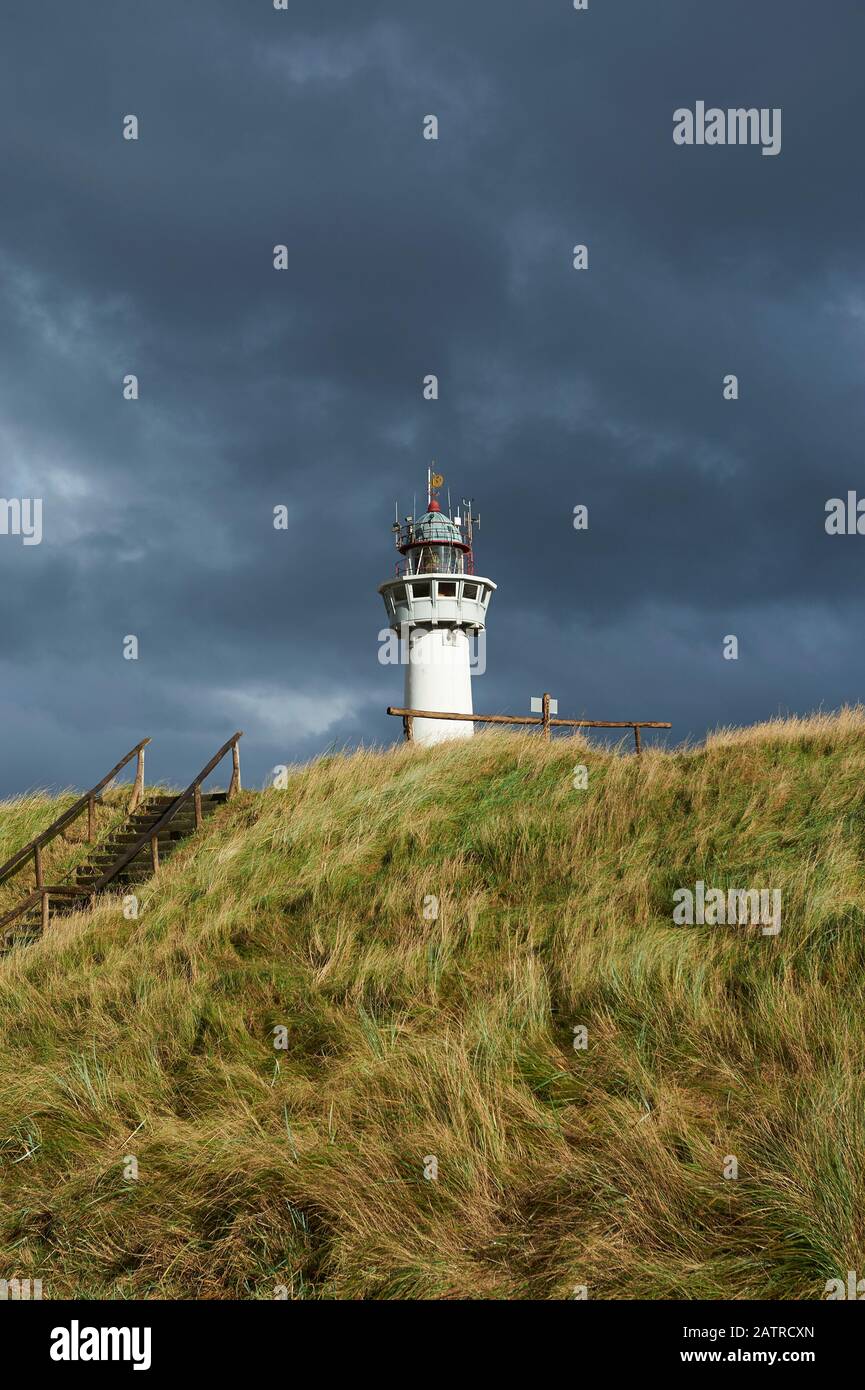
(107, 854)
(129, 854)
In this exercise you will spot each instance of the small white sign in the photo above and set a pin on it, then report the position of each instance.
(538, 705)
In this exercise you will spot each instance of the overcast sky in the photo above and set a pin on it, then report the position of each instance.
(408, 256)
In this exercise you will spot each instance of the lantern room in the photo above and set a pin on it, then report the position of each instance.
(432, 544)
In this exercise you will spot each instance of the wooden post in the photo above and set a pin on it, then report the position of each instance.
(44, 910)
(154, 852)
(138, 785)
(234, 785)
(545, 705)
(408, 728)
(90, 819)
(198, 815)
(637, 738)
(37, 864)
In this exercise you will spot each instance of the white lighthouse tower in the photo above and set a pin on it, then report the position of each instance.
(434, 601)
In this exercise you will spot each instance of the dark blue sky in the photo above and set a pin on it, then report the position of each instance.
(407, 256)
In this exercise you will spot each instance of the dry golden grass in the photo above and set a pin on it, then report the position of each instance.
(453, 1037)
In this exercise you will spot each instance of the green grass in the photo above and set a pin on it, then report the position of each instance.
(453, 1037)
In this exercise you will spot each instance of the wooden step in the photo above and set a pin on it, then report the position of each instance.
(125, 838)
(163, 802)
(109, 854)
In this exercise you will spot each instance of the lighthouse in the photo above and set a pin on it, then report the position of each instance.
(435, 601)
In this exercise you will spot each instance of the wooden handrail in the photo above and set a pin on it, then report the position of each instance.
(151, 835)
(57, 890)
(84, 803)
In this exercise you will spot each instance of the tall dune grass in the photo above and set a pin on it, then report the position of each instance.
(412, 1036)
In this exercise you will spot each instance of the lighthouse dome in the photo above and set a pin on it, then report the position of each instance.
(435, 528)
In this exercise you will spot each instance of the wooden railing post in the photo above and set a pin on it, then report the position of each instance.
(637, 738)
(138, 785)
(545, 706)
(45, 900)
(408, 728)
(37, 864)
(198, 815)
(234, 784)
(91, 827)
(154, 852)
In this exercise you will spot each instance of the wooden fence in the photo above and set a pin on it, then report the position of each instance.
(545, 720)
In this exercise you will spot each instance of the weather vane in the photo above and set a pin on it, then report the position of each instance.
(435, 480)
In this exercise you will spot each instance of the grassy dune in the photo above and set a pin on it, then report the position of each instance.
(452, 1037)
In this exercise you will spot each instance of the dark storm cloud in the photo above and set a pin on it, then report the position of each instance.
(406, 257)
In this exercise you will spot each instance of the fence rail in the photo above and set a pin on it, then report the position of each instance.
(545, 720)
